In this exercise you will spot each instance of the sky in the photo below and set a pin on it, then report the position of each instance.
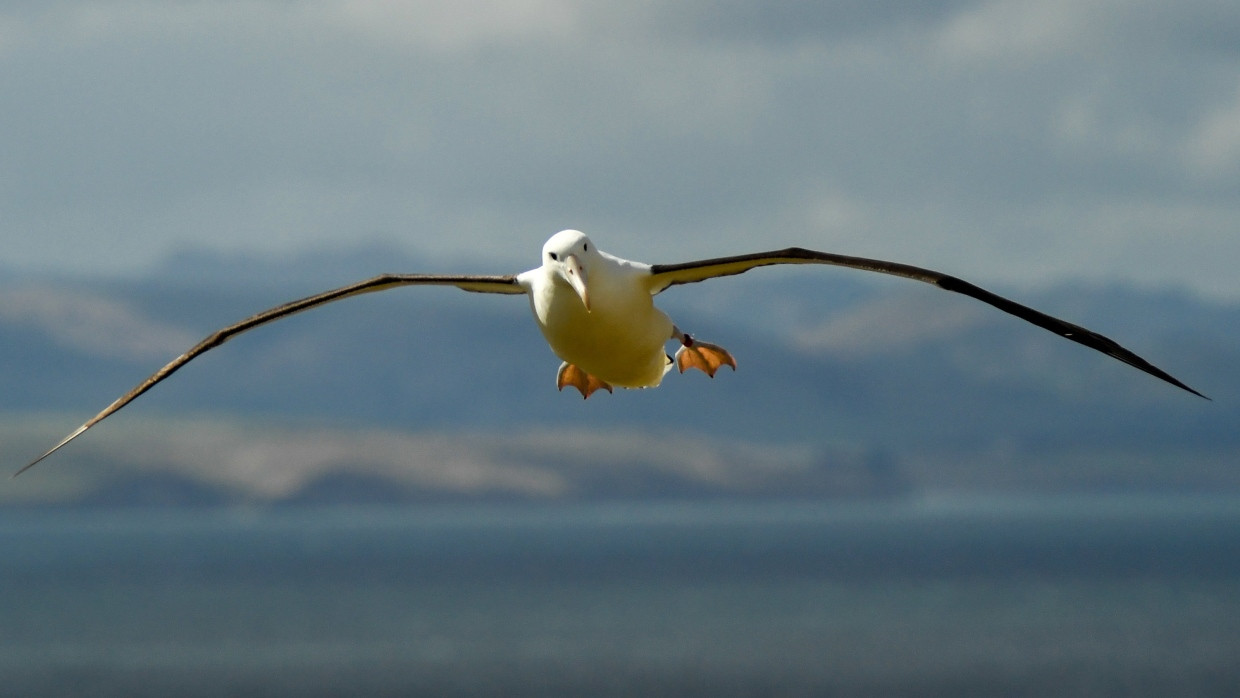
(1019, 142)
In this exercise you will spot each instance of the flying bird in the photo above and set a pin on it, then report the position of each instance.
(597, 313)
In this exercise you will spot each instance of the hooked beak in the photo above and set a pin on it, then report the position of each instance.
(576, 275)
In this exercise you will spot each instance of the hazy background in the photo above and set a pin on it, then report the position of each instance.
(901, 492)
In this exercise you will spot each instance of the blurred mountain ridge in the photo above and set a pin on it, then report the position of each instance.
(911, 388)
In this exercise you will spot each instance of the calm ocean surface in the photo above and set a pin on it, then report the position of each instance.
(1116, 596)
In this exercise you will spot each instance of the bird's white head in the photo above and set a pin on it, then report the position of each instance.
(569, 255)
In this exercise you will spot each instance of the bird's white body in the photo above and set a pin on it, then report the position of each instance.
(621, 337)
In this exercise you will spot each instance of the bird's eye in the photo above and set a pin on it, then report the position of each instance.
(554, 256)
(585, 247)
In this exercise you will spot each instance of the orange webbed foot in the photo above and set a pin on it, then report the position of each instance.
(706, 357)
(579, 379)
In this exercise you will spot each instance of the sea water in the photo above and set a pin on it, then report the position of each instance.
(1079, 596)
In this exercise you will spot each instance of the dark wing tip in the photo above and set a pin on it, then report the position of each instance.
(76, 433)
(1063, 328)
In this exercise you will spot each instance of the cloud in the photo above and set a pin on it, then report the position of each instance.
(943, 133)
(1013, 30)
(97, 326)
(1213, 147)
(453, 26)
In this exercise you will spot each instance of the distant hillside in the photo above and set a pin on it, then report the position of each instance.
(935, 390)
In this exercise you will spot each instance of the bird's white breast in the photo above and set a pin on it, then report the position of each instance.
(621, 339)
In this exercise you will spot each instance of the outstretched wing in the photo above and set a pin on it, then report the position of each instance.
(665, 275)
(476, 284)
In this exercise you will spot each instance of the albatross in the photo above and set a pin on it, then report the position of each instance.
(597, 313)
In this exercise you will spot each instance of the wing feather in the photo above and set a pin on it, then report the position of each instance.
(664, 276)
(475, 284)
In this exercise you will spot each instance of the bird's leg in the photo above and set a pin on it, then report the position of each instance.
(700, 355)
(579, 379)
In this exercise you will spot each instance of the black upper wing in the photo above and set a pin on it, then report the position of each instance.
(666, 275)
